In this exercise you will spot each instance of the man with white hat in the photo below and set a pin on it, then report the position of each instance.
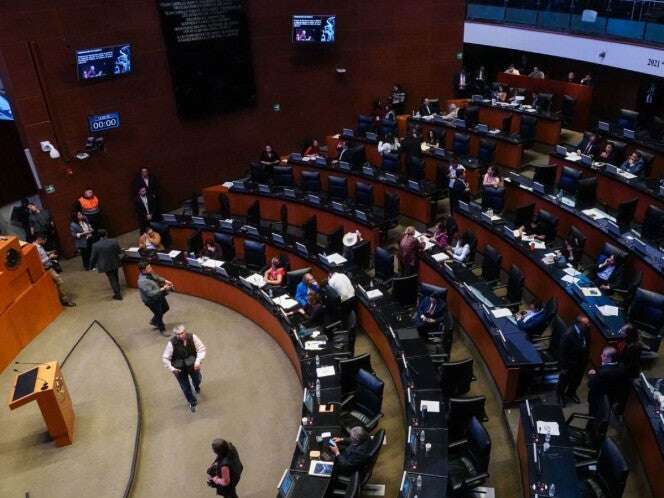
(349, 241)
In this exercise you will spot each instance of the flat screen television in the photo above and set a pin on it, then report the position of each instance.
(314, 29)
(103, 62)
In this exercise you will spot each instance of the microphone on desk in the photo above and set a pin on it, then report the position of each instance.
(45, 382)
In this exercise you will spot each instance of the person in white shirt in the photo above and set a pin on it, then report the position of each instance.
(182, 357)
(461, 249)
(391, 144)
(342, 285)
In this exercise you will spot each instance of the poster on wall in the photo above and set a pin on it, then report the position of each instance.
(209, 54)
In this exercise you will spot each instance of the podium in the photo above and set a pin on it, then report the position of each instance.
(46, 385)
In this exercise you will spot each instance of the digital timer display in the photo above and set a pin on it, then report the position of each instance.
(103, 122)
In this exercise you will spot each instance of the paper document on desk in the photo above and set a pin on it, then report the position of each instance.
(550, 428)
(174, 254)
(427, 243)
(571, 271)
(285, 301)
(626, 174)
(501, 312)
(567, 201)
(608, 310)
(256, 280)
(539, 244)
(336, 259)
(526, 187)
(570, 279)
(314, 345)
(440, 257)
(325, 371)
(374, 294)
(495, 131)
(573, 156)
(591, 291)
(132, 252)
(212, 263)
(431, 406)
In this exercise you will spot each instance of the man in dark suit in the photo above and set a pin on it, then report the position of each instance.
(345, 153)
(146, 208)
(430, 313)
(573, 356)
(425, 108)
(608, 272)
(610, 380)
(106, 258)
(459, 189)
(589, 145)
(356, 452)
(145, 180)
(412, 144)
(532, 318)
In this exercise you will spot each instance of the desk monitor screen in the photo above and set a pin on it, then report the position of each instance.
(627, 133)
(404, 290)
(302, 440)
(286, 484)
(586, 193)
(25, 384)
(603, 126)
(309, 401)
(312, 30)
(405, 486)
(561, 150)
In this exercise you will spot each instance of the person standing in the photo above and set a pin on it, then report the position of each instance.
(40, 221)
(409, 251)
(106, 258)
(146, 180)
(145, 205)
(573, 358)
(49, 261)
(89, 205)
(182, 357)
(83, 233)
(226, 470)
(153, 290)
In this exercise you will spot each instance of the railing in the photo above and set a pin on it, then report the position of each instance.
(640, 20)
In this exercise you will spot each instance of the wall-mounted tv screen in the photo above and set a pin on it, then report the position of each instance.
(5, 109)
(310, 29)
(103, 62)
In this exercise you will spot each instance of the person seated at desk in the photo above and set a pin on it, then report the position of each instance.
(211, 250)
(313, 149)
(430, 313)
(425, 109)
(531, 318)
(314, 311)
(608, 154)
(534, 228)
(391, 144)
(409, 251)
(341, 285)
(492, 178)
(609, 380)
(587, 80)
(461, 249)
(629, 349)
(440, 236)
(452, 111)
(537, 73)
(634, 164)
(499, 94)
(571, 77)
(589, 145)
(274, 275)
(356, 451)
(269, 157)
(344, 151)
(389, 114)
(307, 285)
(150, 241)
(607, 272)
(571, 250)
(431, 139)
(512, 70)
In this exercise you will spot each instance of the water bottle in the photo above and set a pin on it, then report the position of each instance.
(318, 390)
(418, 483)
(422, 437)
(317, 361)
(552, 489)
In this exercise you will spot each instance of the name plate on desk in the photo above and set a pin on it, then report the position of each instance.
(561, 150)
(194, 263)
(414, 185)
(295, 156)
(239, 185)
(459, 123)
(361, 215)
(314, 199)
(251, 231)
(482, 128)
(168, 218)
(538, 187)
(320, 161)
(610, 168)
(613, 228)
(463, 206)
(586, 159)
(338, 206)
(278, 239)
(368, 170)
(263, 188)
(603, 126)
(347, 133)
(475, 208)
(344, 166)
(290, 193)
(390, 177)
(301, 249)
(509, 232)
(438, 119)
(437, 152)
(198, 220)
(628, 133)
(371, 137)
(229, 225)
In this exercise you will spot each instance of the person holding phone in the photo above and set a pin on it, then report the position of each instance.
(355, 453)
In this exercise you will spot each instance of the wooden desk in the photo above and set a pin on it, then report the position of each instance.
(654, 148)
(582, 93)
(611, 190)
(298, 212)
(508, 154)
(548, 127)
(596, 238)
(416, 206)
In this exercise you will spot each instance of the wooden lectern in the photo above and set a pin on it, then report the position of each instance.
(46, 384)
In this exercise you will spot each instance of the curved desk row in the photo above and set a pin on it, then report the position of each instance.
(596, 232)
(613, 189)
(418, 204)
(548, 124)
(299, 211)
(651, 146)
(412, 388)
(545, 281)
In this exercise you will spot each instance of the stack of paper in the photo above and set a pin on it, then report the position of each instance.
(538, 244)
(571, 271)
(325, 371)
(227, 184)
(285, 301)
(440, 256)
(314, 345)
(608, 310)
(626, 174)
(591, 291)
(501, 312)
(174, 254)
(594, 213)
(374, 294)
(133, 252)
(431, 406)
(573, 156)
(212, 263)
(570, 279)
(256, 280)
(335, 259)
(550, 428)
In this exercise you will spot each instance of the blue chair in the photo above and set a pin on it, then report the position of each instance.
(610, 475)
(226, 245)
(363, 194)
(528, 130)
(383, 264)
(569, 180)
(254, 254)
(493, 198)
(461, 144)
(337, 187)
(486, 151)
(310, 181)
(391, 163)
(364, 407)
(282, 176)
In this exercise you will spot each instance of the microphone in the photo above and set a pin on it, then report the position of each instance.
(45, 382)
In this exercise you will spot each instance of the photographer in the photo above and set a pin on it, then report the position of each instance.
(224, 474)
(51, 265)
(153, 290)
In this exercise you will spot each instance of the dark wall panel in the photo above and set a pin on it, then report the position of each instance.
(414, 43)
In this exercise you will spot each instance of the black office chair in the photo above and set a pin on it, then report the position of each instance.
(461, 144)
(486, 151)
(282, 176)
(456, 377)
(360, 255)
(652, 228)
(348, 369)
(493, 198)
(647, 314)
(549, 346)
(390, 214)
(567, 110)
(254, 254)
(626, 287)
(363, 194)
(260, 173)
(569, 180)
(578, 241)
(254, 214)
(619, 256)
(415, 168)
(377, 441)
(472, 242)
(224, 206)
(550, 224)
(468, 460)
(543, 102)
(619, 151)
(610, 476)
(293, 279)
(310, 181)
(363, 407)
(391, 163)
(451, 227)
(226, 245)
(347, 488)
(364, 124)
(648, 160)
(440, 333)
(491, 263)
(164, 231)
(334, 241)
(513, 288)
(195, 243)
(528, 130)
(461, 411)
(383, 264)
(337, 187)
(588, 432)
